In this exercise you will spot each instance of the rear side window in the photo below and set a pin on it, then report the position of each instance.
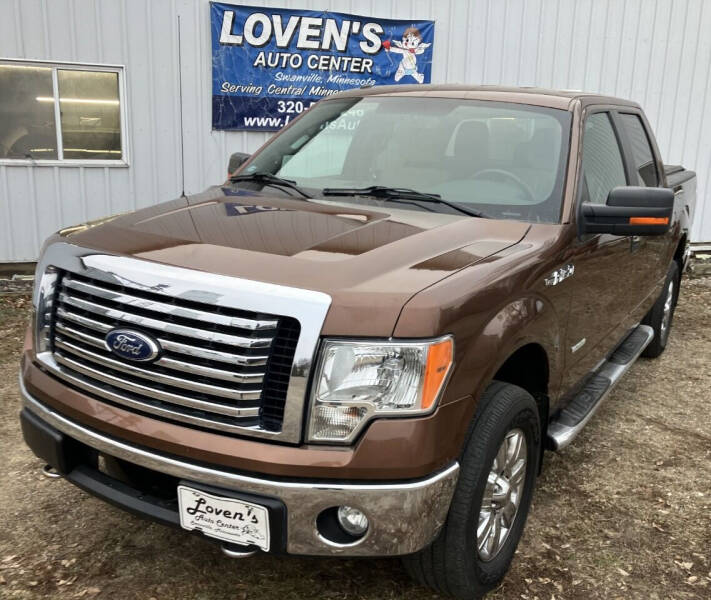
(642, 155)
(603, 168)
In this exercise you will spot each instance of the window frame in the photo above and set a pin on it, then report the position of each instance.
(588, 111)
(621, 145)
(629, 153)
(123, 114)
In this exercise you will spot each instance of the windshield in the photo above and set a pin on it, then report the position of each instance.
(504, 160)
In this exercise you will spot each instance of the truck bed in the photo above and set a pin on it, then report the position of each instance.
(683, 182)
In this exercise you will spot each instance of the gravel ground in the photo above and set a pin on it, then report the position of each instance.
(15, 286)
(625, 512)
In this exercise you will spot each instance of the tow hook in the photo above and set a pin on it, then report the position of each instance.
(50, 472)
(237, 551)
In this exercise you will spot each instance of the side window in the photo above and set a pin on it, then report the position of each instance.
(642, 155)
(603, 168)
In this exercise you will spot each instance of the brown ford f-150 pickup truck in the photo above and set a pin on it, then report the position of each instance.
(362, 342)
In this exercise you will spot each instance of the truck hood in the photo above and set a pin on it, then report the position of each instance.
(366, 257)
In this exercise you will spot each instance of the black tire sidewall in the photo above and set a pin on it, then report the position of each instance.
(672, 276)
(491, 426)
(656, 314)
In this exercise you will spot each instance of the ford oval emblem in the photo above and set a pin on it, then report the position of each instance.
(132, 345)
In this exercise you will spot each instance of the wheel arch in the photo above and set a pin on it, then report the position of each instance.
(679, 253)
(519, 345)
(528, 368)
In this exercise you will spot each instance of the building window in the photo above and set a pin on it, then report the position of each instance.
(61, 113)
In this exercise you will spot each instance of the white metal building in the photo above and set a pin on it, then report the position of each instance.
(657, 52)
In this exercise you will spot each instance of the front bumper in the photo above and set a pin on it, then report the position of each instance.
(404, 517)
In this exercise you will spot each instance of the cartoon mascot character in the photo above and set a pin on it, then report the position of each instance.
(410, 47)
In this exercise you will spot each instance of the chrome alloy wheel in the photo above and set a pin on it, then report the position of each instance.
(668, 307)
(502, 495)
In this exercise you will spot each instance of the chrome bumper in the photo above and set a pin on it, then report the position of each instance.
(404, 517)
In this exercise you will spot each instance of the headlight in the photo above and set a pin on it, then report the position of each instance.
(356, 381)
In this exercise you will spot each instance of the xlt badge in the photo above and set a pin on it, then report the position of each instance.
(560, 274)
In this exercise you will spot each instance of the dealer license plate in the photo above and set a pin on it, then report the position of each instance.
(223, 518)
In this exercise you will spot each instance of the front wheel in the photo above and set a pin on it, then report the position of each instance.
(474, 549)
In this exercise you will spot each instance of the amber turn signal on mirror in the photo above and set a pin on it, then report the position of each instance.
(649, 220)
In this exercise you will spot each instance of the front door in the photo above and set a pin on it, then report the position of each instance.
(602, 284)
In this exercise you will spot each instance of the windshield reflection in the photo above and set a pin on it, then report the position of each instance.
(501, 159)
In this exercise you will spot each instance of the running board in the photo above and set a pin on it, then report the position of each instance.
(570, 421)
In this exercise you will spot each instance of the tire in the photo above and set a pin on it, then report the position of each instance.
(452, 564)
(661, 315)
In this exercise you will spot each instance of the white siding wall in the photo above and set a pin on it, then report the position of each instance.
(657, 52)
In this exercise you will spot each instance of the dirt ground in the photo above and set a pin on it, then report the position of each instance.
(625, 512)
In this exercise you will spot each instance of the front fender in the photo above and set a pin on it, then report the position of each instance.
(527, 320)
(493, 309)
(482, 348)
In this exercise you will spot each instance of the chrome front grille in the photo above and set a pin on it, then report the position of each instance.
(220, 368)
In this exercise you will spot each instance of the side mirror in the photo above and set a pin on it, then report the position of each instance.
(237, 159)
(629, 211)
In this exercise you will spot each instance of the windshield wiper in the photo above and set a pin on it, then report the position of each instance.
(270, 179)
(396, 193)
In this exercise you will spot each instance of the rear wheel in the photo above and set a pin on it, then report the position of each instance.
(661, 315)
(497, 475)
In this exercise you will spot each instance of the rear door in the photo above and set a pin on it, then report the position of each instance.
(601, 284)
(648, 253)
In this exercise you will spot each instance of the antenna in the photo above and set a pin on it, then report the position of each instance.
(180, 97)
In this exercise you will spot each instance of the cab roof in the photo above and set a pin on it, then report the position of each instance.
(561, 99)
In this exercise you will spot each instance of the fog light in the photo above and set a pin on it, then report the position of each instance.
(352, 520)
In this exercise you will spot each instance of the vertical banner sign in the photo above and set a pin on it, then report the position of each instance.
(271, 64)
